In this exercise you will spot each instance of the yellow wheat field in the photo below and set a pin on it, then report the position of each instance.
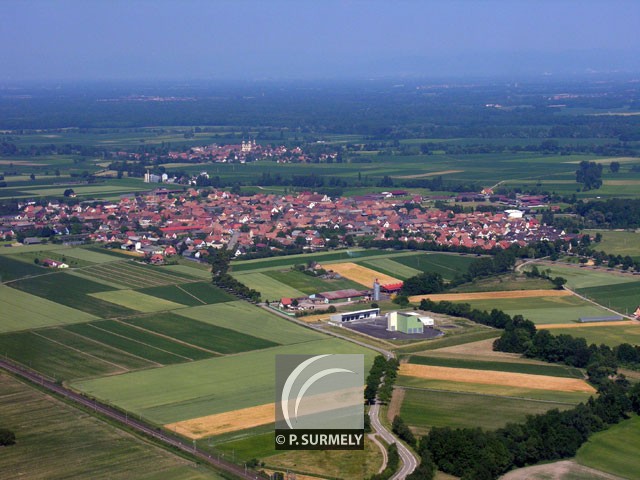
(490, 377)
(620, 323)
(452, 297)
(362, 275)
(196, 428)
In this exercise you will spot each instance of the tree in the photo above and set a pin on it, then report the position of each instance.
(32, 176)
(614, 167)
(7, 437)
(590, 175)
(558, 282)
(68, 192)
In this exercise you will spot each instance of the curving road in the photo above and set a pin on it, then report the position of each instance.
(408, 461)
(125, 419)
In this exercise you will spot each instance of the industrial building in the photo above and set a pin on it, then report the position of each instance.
(357, 315)
(408, 322)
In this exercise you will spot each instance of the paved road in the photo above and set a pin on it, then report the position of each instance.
(409, 462)
(125, 419)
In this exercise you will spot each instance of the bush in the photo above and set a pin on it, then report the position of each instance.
(7, 437)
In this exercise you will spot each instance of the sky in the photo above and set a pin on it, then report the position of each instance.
(314, 39)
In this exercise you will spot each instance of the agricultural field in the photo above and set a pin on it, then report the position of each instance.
(73, 292)
(309, 284)
(216, 385)
(58, 432)
(246, 318)
(449, 266)
(423, 409)
(203, 335)
(133, 275)
(618, 242)
(391, 267)
(494, 377)
(614, 450)
(622, 297)
(609, 335)
(360, 274)
(542, 309)
(578, 278)
(12, 269)
(269, 288)
(136, 300)
(191, 294)
(23, 311)
(514, 367)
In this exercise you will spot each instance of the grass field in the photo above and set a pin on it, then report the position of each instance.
(53, 359)
(246, 318)
(534, 369)
(73, 292)
(578, 278)
(391, 267)
(88, 255)
(136, 300)
(308, 284)
(612, 336)
(133, 275)
(506, 282)
(191, 390)
(423, 409)
(543, 310)
(191, 294)
(201, 334)
(269, 288)
(615, 450)
(449, 266)
(191, 269)
(452, 338)
(22, 311)
(72, 444)
(12, 269)
(618, 242)
(623, 298)
(351, 255)
(148, 350)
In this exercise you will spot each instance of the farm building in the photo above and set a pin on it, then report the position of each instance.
(407, 322)
(348, 295)
(610, 318)
(392, 287)
(357, 315)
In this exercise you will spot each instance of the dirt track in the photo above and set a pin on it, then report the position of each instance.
(431, 174)
(219, 423)
(491, 295)
(490, 377)
(557, 471)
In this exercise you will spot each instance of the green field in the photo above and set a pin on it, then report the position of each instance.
(622, 297)
(391, 267)
(191, 294)
(269, 288)
(88, 255)
(452, 337)
(134, 275)
(12, 269)
(614, 450)
(308, 284)
(618, 242)
(72, 291)
(69, 443)
(180, 392)
(612, 335)
(543, 310)
(578, 278)
(449, 266)
(246, 318)
(352, 255)
(191, 269)
(53, 359)
(424, 409)
(200, 334)
(22, 311)
(136, 301)
(149, 351)
(514, 367)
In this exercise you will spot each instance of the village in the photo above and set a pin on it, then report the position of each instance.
(163, 223)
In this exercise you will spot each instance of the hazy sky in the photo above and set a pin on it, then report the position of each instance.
(182, 39)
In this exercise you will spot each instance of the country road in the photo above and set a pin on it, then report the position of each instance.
(125, 420)
(408, 461)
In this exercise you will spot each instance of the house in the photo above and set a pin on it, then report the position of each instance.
(47, 262)
(285, 303)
